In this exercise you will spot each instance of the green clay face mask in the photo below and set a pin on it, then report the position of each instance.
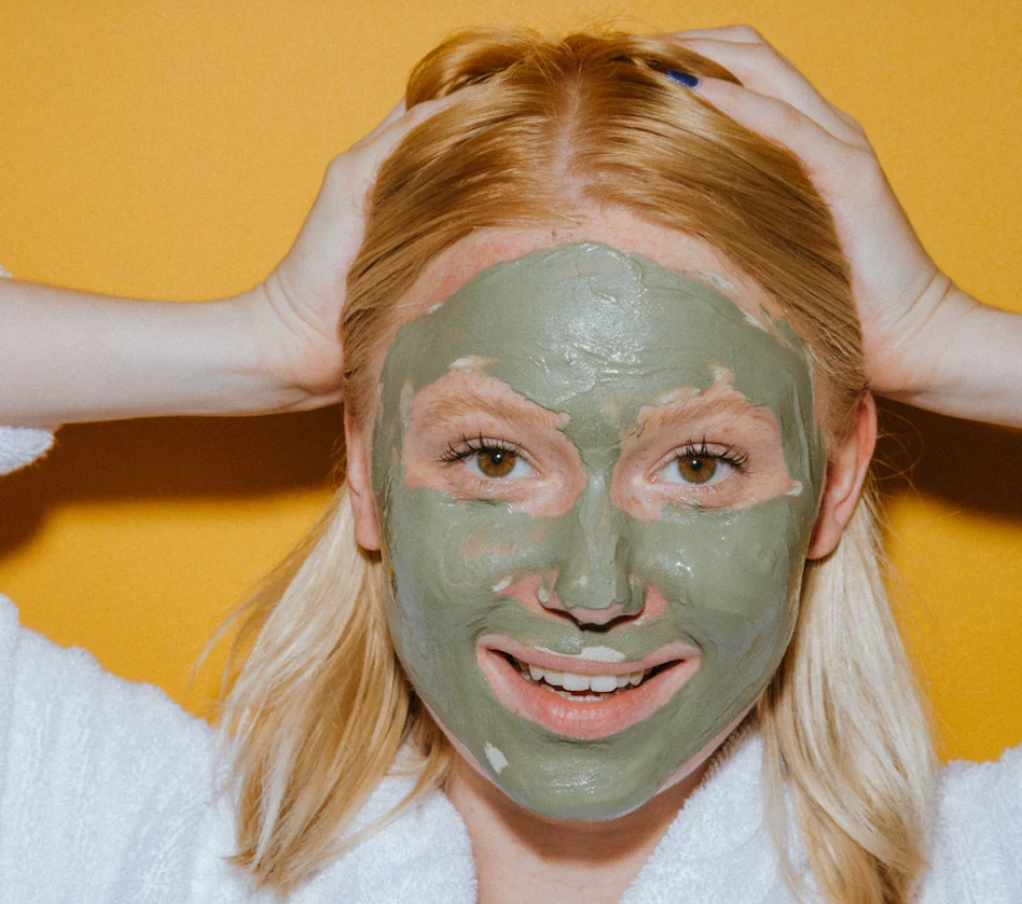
(597, 480)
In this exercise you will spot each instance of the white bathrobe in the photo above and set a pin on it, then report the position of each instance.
(107, 794)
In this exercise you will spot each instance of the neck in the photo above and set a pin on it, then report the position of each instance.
(521, 855)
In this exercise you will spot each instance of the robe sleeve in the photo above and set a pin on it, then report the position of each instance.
(20, 446)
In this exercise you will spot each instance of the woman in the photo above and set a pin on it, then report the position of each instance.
(606, 420)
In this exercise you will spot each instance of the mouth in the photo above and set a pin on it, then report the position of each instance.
(580, 697)
(576, 686)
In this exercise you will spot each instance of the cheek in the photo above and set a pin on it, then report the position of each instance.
(730, 581)
(449, 560)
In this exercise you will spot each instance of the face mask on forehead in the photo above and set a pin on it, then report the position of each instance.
(641, 515)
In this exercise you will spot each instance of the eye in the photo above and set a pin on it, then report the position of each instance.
(698, 466)
(491, 459)
(700, 470)
(497, 463)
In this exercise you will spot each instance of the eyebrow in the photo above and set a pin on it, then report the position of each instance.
(471, 401)
(661, 416)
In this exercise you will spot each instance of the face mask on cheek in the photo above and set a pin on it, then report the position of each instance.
(703, 598)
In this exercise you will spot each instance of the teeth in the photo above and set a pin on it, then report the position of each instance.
(572, 681)
(554, 677)
(603, 684)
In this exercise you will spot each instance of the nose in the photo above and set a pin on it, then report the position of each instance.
(593, 580)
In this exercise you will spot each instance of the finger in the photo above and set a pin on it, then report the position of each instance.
(740, 33)
(746, 34)
(385, 137)
(778, 120)
(352, 173)
(400, 108)
(852, 124)
(763, 70)
(395, 114)
(735, 34)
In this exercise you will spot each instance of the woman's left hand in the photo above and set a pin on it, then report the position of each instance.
(896, 285)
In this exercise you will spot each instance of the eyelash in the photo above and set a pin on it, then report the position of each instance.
(469, 447)
(737, 460)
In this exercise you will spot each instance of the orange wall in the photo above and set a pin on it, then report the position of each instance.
(171, 149)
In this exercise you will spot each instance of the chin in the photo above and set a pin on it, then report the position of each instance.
(579, 785)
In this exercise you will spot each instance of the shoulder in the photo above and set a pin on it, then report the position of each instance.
(979, 831)
(982, 798)
(62, 694)
(963, 783)
(102, 781)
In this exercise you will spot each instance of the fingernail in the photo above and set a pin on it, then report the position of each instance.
(682, 78)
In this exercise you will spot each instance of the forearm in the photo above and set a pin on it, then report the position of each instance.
(68, 356)
(972, 361)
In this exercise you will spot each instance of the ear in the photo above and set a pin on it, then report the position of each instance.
(845, 473)
(360, 487)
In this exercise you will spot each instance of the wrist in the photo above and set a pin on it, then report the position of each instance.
(298, 368)
(916, 364)
(968, 361)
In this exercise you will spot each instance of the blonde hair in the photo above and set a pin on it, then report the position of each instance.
(320, 708)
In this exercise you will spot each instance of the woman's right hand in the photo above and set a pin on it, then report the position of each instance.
(68, 356)
(298, 306)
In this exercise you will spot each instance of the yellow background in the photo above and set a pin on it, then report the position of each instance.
(170, 149)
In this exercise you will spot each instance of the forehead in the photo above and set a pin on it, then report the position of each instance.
(614, 227)
(584, 324)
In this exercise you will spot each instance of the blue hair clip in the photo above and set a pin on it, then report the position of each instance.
(682, 78)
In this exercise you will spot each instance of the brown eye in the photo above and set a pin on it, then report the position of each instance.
(697, 468)
(496, 462)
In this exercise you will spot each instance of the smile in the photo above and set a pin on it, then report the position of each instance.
(575, 686)
(578, 697)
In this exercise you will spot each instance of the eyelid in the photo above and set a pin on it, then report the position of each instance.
(722, 451)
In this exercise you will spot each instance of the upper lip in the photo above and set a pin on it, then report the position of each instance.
(501, 643)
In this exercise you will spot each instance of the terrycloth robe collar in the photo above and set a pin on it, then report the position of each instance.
(718, 850)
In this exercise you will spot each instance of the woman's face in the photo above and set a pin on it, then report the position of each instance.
(596, 478)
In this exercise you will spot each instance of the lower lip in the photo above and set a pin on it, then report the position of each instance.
(587, 720)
